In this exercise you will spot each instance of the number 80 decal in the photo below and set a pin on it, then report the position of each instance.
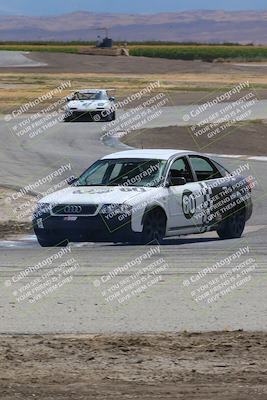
(189, 204)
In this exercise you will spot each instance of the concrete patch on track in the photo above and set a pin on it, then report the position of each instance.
(17, 59)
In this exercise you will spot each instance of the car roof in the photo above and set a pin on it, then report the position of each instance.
(159, 154)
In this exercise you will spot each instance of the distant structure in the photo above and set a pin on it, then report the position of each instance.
(104, 46)
(105, 43)
(98, 41)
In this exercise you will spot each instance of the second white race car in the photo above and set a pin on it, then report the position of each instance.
(92, 104)
(142, 196)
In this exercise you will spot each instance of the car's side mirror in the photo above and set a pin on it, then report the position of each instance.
(112, 98)
(71, 180)
(68, 98)
(176, 181)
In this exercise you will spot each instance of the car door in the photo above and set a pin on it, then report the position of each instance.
(184, 201)
(216, 189)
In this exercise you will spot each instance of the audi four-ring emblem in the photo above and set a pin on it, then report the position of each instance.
(73, 209)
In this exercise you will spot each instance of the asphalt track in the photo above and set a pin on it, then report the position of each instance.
(80, 306)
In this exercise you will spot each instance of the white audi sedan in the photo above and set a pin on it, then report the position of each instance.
(143, 196)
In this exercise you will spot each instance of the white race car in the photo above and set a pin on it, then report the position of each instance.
(93, 104)
(142, 196)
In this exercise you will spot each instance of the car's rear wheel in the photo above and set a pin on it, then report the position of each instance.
(52, 242)
(154, 228)
(233, 226)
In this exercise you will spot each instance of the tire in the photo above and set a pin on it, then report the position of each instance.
(233, 227)
(154, 228)
(52, 242)
(114, 116)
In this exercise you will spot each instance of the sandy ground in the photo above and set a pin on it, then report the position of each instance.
(244, 139)
(15, 212)
(226, 365)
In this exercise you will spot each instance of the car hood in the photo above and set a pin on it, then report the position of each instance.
(101, 195)
(87, 104)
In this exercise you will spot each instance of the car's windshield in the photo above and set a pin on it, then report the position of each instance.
(90, 96)
(124, 172)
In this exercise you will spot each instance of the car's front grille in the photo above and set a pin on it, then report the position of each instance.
(74, 209)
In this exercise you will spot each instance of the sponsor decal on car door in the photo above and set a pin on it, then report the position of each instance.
(185, 205)
(184, 200)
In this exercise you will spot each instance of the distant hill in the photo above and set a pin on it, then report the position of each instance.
(201, 26)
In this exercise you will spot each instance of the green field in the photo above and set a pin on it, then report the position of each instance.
(207, 52)
(47, 47)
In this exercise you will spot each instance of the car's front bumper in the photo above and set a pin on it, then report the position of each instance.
(85, 229)
(79, 114)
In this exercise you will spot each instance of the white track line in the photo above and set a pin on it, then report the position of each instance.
(253, 158)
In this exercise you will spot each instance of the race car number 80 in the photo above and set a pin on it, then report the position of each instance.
(188, 204)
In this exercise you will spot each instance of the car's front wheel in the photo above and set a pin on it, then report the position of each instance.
(233, 226)
(154, 228)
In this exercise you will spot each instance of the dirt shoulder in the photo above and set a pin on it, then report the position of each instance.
(15, 212)
(189, 366)
(14, 228)
(244, 139)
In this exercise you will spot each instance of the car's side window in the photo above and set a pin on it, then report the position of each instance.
(180, 168)
(116, 172)
(222, 169)
(204, 168)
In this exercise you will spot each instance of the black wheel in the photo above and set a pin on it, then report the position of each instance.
(52, 242)
(114, 116)
(154, 229)
(233, 226)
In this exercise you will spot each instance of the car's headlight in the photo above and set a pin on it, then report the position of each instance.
(115, 209)
(41, 209)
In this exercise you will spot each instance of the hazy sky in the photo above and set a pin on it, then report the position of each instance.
(35, 7)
